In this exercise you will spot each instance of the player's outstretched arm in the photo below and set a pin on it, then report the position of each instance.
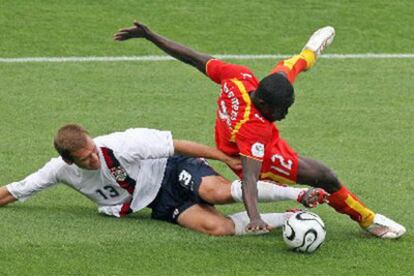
(194, 149)
(251, 170)
(5, 196)
(174, 49)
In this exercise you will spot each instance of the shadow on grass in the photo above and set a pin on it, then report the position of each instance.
(78, 211)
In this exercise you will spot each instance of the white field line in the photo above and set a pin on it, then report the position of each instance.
(167, 58)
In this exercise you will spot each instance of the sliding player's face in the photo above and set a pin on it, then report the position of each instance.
(281, 113)
(276, 113)
(87, 158)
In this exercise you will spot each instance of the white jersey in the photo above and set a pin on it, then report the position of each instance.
(138, 156)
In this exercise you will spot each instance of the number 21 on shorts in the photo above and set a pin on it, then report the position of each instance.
(281, 165)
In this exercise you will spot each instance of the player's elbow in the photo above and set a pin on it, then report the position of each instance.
(4, 202)
(6, 197)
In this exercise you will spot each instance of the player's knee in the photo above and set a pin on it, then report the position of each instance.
(327, 179)
(328, 176)
(221, 195)
(317, 174)
(215, 192)
(218, 228)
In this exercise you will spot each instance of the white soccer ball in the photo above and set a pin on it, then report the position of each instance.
(304, 231)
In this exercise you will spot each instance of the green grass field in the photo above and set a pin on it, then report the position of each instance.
(354, 114)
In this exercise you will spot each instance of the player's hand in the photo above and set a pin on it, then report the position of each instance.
(136, 31)
(234, 163)
(258, 226)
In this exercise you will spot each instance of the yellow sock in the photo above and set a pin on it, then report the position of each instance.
(367, 216)
(310, 58)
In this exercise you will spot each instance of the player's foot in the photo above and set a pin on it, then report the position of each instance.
(312, 197)
(385, 228)
(293, 210)
(320, 40)
(289, 212)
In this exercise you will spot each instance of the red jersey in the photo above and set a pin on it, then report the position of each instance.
(240, 128)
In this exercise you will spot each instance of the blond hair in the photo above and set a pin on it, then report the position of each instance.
(69, 138)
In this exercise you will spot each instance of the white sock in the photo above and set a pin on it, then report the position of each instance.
(267, 192)
(241, 220)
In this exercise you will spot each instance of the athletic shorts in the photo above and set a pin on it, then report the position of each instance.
(280, 163)
(179, 187)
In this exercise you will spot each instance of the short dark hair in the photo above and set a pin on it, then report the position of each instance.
(276, 90)
(69, 138)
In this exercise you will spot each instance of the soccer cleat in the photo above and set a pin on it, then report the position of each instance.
(320, 39)
(312, 197)
(385, 228)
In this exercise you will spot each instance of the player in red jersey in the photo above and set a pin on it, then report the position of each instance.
(247, 110)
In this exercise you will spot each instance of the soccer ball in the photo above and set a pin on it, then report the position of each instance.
(304, 232)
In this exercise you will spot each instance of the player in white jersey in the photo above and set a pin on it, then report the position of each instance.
(124, 172)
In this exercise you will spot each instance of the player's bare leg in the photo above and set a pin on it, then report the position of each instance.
(218, 190)
(316, 174)
(206, 219)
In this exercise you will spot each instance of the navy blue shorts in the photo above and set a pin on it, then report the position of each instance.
(179, 187)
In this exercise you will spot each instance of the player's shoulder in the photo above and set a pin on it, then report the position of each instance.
(56, 163)
(231, 70)
(121, 137)
(134, 140)
(245, 75)
(58, 167)
(130, 132)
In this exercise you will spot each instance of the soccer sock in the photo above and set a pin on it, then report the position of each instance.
(345, 202)
(291, 67)
(267, 192)
(241, 220)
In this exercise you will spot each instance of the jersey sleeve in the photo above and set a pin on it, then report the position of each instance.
(251, 144)
(38, 181)
(141, 143)
(218, 71)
